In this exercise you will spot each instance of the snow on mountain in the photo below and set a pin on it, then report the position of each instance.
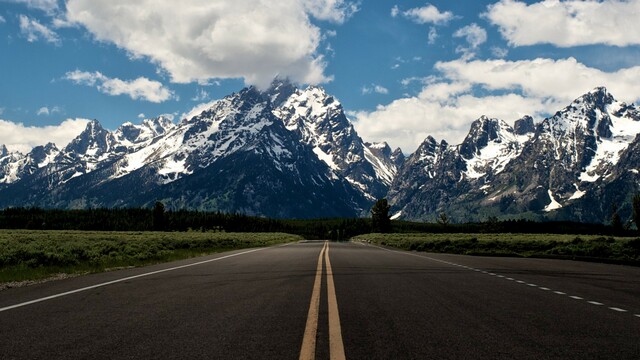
(490, 145)
(321, 123)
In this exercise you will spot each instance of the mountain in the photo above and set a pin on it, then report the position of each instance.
(319, 120)
(289, 152)
(235, 156)
(541, 172)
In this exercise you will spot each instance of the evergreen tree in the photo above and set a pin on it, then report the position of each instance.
(380, 220)
(443, 219)
(158, 216)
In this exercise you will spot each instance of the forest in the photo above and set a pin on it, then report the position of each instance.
(159, 219)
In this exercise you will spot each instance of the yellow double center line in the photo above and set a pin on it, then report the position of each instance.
(336, 347)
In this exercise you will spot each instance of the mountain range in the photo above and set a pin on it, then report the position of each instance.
(288, 152)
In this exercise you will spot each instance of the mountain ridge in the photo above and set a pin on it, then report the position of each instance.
(293, 152)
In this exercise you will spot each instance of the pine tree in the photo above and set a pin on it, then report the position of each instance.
(158, 216)
(380, 220)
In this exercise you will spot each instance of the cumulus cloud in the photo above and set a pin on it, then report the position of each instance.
(499, 52)
(428, 14)
(256, 40)
(34, 31)
(567, 23)
(447, 105)
(378, 89)
(138, 89)
(22, 138)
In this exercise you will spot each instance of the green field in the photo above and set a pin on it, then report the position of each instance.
(583, 247)
(33, 255)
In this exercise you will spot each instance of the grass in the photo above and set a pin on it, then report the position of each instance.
(32, 255)
(583, 247)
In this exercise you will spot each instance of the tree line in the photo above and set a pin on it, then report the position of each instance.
(160, 219)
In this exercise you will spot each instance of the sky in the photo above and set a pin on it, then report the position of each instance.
(403, 70)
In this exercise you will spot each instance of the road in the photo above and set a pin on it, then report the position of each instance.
(330, 300)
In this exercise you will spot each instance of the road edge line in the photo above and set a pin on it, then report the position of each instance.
(66, 293)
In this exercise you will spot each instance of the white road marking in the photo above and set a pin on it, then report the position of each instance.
(618, 309)
(511, 279)
(51, 297)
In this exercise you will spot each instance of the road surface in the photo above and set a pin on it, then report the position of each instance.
(330, 301)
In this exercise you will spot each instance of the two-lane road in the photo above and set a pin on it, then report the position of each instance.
(374, 303)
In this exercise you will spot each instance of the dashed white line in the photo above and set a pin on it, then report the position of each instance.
(519, 282)
(618, 309)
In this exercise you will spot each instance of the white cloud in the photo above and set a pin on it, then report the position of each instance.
(48, 6)
(201, 95)
(433, 35)
(46, 111)
(567, 23)
(201, 40)
(34, 31)
(563, 79)
(138, 89)
(2, 19)
(428, 14)
(395, 10)
(448, 104)
(474, 35)
(18, 137)
(141, 116)
(337, 11)
(378, 89)
(499, 52)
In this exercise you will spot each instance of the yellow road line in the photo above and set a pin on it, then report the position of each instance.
(308, 351)
(336, 347)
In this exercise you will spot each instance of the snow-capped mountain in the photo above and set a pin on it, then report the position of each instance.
(234, 156)
(320, 121)
(540, 171)
(290, 152)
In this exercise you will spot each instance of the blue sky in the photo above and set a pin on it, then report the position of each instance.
(402, 69)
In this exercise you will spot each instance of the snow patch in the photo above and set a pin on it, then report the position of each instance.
(397, 215)
(553, 205)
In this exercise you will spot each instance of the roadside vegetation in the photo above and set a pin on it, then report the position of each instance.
(32, 255)
(580, 247)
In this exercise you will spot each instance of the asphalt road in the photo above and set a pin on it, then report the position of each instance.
(370, 303)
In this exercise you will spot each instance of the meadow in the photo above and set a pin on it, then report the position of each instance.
(580, 247)
(37, 254)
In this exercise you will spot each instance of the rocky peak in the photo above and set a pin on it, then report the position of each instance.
(93, 141)
(279, 91)
(397, 157)
(524, 126)
(483, 131)
(3, 151)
